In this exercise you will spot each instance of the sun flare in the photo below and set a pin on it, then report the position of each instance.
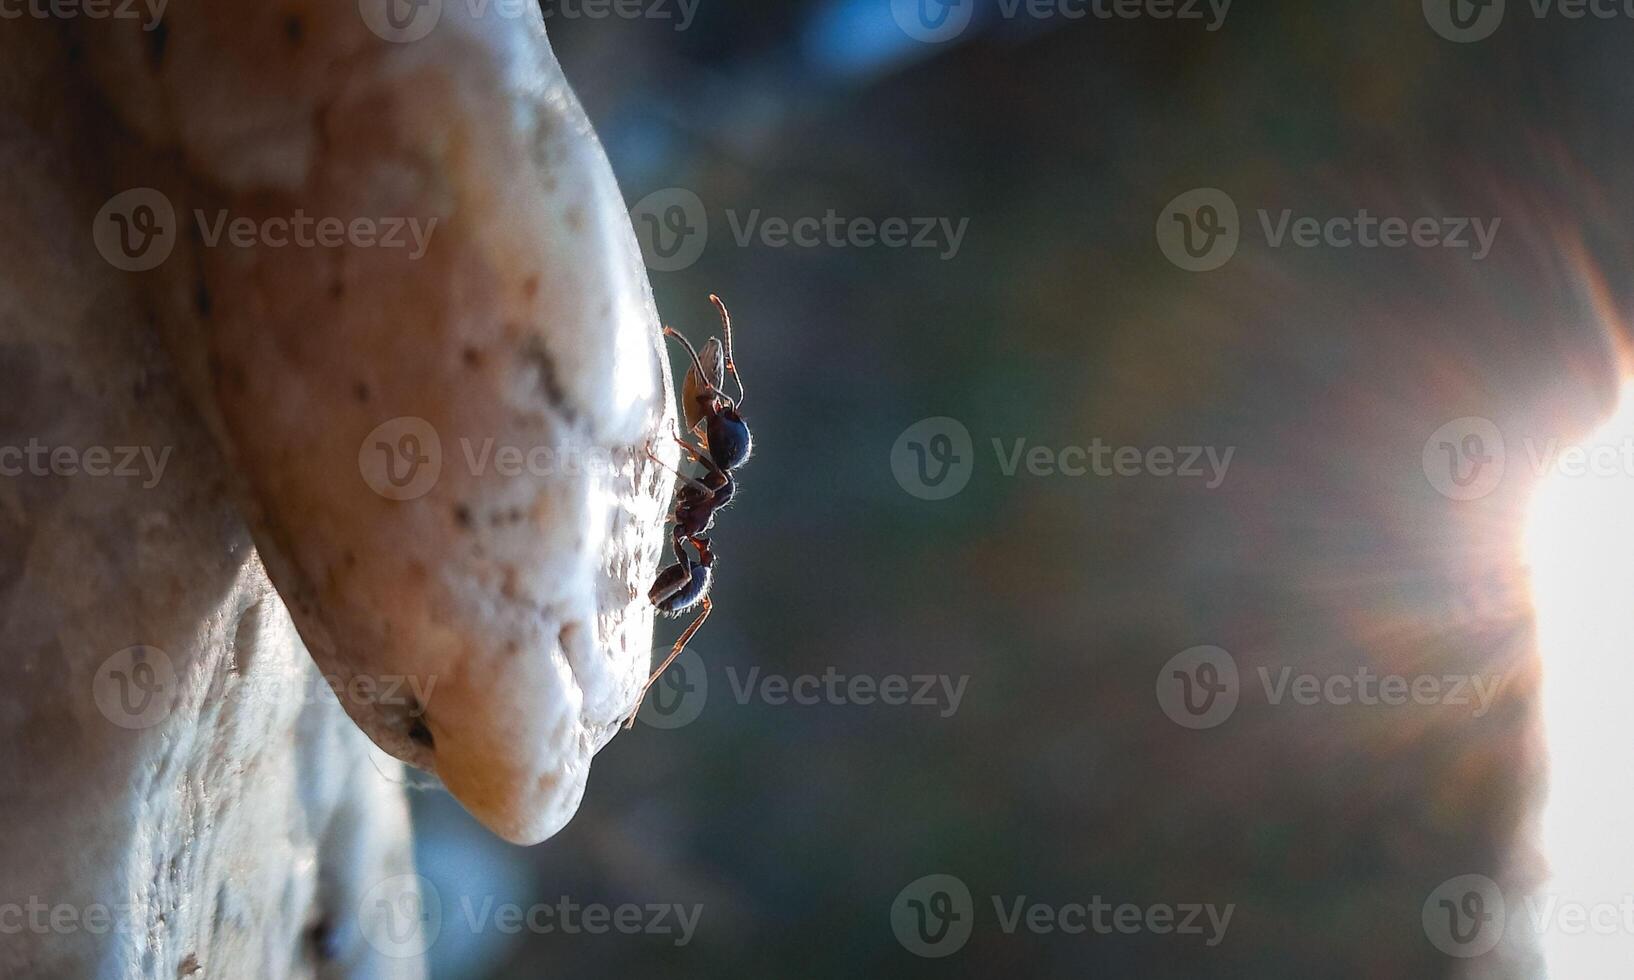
(1580, 544)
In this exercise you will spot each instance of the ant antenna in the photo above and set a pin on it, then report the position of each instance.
(726, 328)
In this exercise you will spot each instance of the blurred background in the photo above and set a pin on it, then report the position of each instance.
(1058, 289)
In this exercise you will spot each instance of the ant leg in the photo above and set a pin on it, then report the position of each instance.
(703, 458)
(674, 652)
(726, 328)
(692, 482)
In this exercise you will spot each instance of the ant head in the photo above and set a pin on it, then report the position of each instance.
(729, 439)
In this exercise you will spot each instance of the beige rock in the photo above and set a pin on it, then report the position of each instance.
(442, 446)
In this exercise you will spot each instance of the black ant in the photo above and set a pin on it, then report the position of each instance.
(726, 446)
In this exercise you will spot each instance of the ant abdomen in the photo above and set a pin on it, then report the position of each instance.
(680, 587)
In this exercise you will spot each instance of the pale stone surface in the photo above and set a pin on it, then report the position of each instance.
(508, 585)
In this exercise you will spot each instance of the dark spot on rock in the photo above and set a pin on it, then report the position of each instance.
(189, 965)
(361, 390)
(471, 356)
(337, 289)
(349, 558)
(462, 516)
(322, 942)
(575, 219)
(158, 39)
(536, 359)
(530, 287)
(202, 300)
(419, 734)
(502, 517)
(294, 30)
